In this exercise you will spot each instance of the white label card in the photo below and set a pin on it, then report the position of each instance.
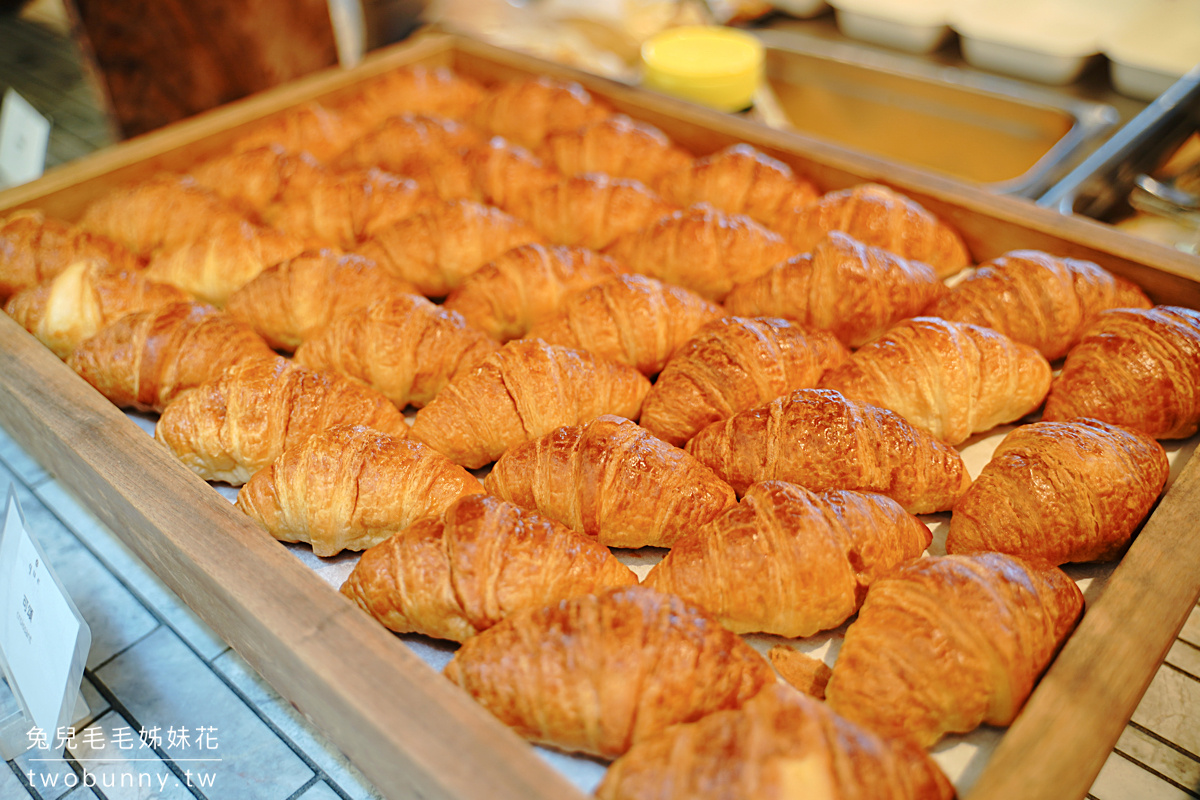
(43, 638)
(24, 135)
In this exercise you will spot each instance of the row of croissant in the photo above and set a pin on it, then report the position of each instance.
(325, 455)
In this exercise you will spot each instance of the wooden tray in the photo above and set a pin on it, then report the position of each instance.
(409, 730)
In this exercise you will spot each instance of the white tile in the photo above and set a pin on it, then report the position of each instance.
(160, 682)
(11, 787)
(320, 791)
(114, 760)
(1191, 628)
(1155, 755)
(47, 772)
(295, 727)
(1120, 779)
(1186, 657)
(121, 561)
(1171, 709)
(20, 462)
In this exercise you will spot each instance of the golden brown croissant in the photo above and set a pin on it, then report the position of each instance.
(611, 479)
(403, 141)
(163, 212)
(349, 487)
(1038, 299)
(739, 180)
(35, 248)
(947, 643)
(590, 210)
(701, 249)
(502, 174)
(630, 319)
(599, 673)
(801, 671)
(506, 296)
(731, 364)
(72, 306)
(288, 303)
(437, 91)
(215, 266)
(145, 359)
(522, 391)
(949, 379)
(843, 286)
(617, 146)
(405, 347)
(295, 194)
(308, 128)
(1062, 492)
(1135, 368)
(780, 744)
(880, 217)
(818, 439)
(789, 561)
(456, 575)
(231, 427)
(528, 111)
(438, 248)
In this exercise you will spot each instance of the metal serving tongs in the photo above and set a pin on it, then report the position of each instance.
(1177, 197)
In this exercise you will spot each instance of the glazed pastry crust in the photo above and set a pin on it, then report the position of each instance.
(35, 248)
(843, 286)
(350, 487)
(1038, 299)
(1137, 368)
(731, 364)
(1062, 492)
(611, 479)
(779, 744)
(789, 561)
(526, 112)
(229, 428)
(949, 379)
(947, 643)
(598, 673)
(818, 439)
(522, 391)
(617, 146)
(456, 575)
(590, 210)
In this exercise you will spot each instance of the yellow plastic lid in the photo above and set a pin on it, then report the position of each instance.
(716, 66)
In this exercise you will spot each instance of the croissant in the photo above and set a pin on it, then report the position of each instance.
(504, 175)
(1038, 299)
(611, 479)
(437, 91)
(215, 266)
(146, 358)
(1061, 492)
(295, 194)
(288, 303)
(806, 673)
(731, 364)
(843, 286)
(165, 212)
(779, 744)
(308, 128)
(599, 673)
(1137, 368)
(949, 379)
(880, 217)
(403, 141)
(522, 391)
(35, 248)
(739, 180)
(818, 439)
(630, 319)
(72, 306)
(528, 111)
(456, 575)
(947, 643)
(590, 210)
(405, 347)
(350, 487)
(618, 146)
(436, 249)
(231, 427)
(701, 249)
(505, 297)
(789, 561)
